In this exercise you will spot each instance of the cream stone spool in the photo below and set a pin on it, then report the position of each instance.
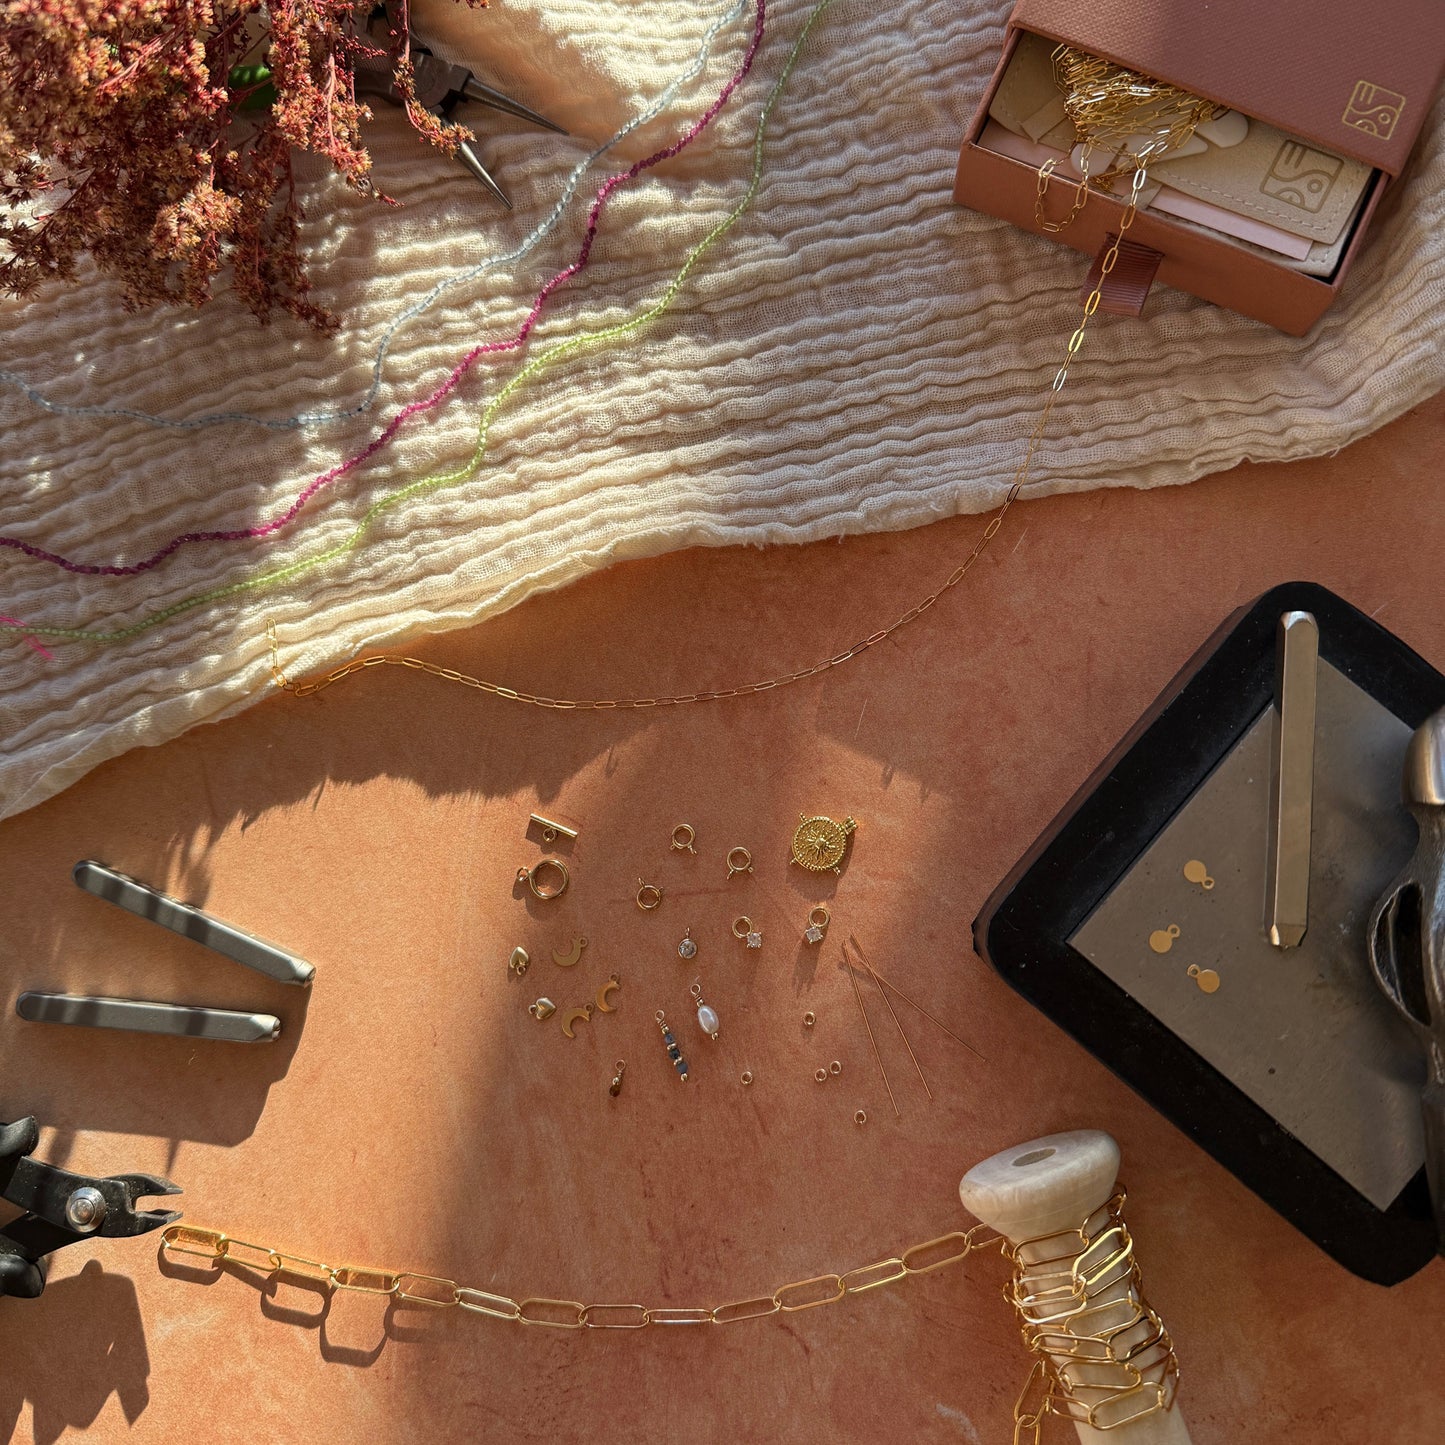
(1050, 1186)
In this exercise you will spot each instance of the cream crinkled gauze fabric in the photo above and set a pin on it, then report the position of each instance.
(856, 354)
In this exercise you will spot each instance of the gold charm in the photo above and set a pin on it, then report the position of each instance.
(707, 1019)
(818, 921)
(536, 878)
(575, 1016)
(1162, 939)
(744, 863)
(743, 929)
(544, 1008)
(550, 828)
(649, 895)
(615, 1087)
(571, 957)
(602, 1005)
(819, 843)
(1196, 872)
(686, 946)
(682, 838)
(520, 961)
(670, 1044)
(1206, 978)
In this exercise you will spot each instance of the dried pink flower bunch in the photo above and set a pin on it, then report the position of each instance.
(132, 131)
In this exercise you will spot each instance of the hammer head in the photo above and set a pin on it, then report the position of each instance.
(1407, 940)
(1423, 785)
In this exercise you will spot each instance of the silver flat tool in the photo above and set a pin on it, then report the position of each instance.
(219, 937)
(145, 1017)
(1407, 941)
(1292, 781)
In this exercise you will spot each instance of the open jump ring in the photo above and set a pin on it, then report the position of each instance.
(649, 895)
(533, 877)
(743, 866)
(682, 838)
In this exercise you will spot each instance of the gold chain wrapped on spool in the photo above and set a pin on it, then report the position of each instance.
(1103, 1357)
(1132, 118)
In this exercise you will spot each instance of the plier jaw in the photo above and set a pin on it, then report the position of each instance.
(62, 1208)
(439, 87)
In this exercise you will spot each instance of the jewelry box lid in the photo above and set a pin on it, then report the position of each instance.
(1358, 79)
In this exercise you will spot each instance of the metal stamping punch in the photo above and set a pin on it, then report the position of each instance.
(1292, 781)
(146, 902)
(147, 1016)
(157, 1016)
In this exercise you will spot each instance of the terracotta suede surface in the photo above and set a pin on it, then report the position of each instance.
(413, 1115)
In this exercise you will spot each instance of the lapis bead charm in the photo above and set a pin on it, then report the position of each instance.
(673, 1052)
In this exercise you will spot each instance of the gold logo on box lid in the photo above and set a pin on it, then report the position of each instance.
(1374, 109)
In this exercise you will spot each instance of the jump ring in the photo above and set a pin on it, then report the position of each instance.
(809, 1019)
(821, 1075)
(835, 1068)
(682, 838)
(742, 926)
(747, 1076)
(860, 1117)
(649, 895)
(530, 875)
(746, 866)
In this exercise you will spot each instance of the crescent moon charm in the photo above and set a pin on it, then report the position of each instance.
(573, 1016)
(602, 1005)
(571, 957)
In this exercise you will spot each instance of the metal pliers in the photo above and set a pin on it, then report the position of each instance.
(440, 88)
(63, 1208)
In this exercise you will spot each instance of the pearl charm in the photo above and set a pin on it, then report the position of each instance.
(707, 1019)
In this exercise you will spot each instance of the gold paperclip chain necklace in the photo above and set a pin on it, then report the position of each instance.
(1132, 117)
(1104, 101)
(564, 1314)
(1077, 1293)
(311, 686)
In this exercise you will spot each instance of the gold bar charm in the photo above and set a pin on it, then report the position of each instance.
(552, 829)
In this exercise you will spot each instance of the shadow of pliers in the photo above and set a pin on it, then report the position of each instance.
(63, 1208)
(440, 87)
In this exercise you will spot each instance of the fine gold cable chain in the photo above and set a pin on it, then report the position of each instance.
(429, 1289)
(312, 686)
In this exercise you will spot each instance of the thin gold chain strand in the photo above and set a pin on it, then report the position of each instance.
(439, 1293)
(311, 686)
